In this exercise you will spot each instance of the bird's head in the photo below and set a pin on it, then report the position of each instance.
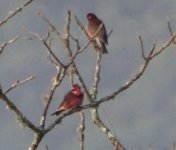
(76, 89)
(91, 16)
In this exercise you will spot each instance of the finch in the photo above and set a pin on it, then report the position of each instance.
(101, 39)
(72, 100)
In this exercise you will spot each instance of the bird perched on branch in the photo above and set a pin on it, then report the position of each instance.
(101, 39)
(72, 100)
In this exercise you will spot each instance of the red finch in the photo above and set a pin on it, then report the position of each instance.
(101, 38)
(72, 100)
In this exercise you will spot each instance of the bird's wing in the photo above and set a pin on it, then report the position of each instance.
(66, 100)
(71, 101)
(102, 35)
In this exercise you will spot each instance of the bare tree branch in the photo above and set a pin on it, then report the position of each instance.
(168, 43)
(13, 13)
(169, 27)
(61, 72)
(98, 122)
(37, 139)
(67, 35)
(65, 40)
(94, 93)
(139, 73)
(45, 19)
(18, 83)
(43, 40)
(81, 25)
(170, 30)
(84, 47)
(97, 77)
(142, 47)
(79, 51)
(39, 132)
(3, 45)
(69, 54)
(22, 120)
(81, 129)
(94, 111)
(56, 82)
(112, 96)
(94, 104)
(127, 85)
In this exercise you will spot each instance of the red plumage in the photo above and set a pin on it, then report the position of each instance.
(72, 100)
(101, 39)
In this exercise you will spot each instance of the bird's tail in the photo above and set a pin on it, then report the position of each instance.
(100, 46)
(103, 48)
(57, 113)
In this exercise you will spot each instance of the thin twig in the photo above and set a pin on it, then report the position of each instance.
(53, 62)
(152, 51)
(110, 33)
(76, 41)
(13, 13)
(168, 43)
(43, 40)
(48, 40)
(3, 45)
(18, 83)
(45, 19)
(142, 47)
(53, 28)
(170, 29)
(46, 146)
(81, 25)
(52, 53)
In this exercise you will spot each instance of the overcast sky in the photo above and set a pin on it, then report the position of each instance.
(143, 115)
